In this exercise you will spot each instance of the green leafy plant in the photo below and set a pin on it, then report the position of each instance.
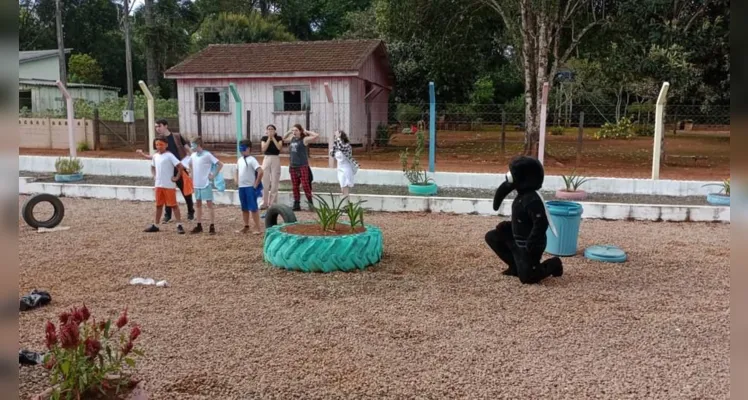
(328, 214)
(557, 131)
(83, 146)
(644, 130)
(382, 138)
(573, 181)
(68, 166)
(86, 357)
(415, 174)
(725, 186)
(407, 114)
(623, 129)
(355, 213)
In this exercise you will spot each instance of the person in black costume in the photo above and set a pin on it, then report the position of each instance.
(521, 242)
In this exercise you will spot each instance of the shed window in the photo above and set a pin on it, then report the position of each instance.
(289, 98)
(24, 100)
(212, 99)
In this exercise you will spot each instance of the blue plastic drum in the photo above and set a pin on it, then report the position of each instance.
(567, 216)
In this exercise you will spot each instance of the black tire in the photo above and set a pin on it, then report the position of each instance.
(28, 211)
(271, 216)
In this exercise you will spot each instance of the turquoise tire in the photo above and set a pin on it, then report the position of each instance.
(716, 199)
(322, 253)
(68, 178)
(423, 190)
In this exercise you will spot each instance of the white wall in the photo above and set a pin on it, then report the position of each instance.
(45, 68)
(257, 96)
(141, 168)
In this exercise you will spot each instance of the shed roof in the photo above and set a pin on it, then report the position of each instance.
(279, 57)
(31, 55)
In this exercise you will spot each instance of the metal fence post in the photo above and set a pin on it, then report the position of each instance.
(580, 137)
(503, 132)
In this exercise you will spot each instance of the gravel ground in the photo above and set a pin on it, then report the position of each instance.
(433, 320)
(400, 190)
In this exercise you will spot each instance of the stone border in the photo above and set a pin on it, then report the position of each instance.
(141, 168)
(384, 203)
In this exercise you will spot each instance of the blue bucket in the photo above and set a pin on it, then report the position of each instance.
(567, 216)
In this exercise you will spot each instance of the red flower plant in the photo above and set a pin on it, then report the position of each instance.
(69, 335)
(127, 348)
(122, 321)
(50, 334)
(93, 347)
(134, 333)
(50, 362)
(64, 316)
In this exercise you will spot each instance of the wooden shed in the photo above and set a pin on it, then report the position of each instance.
(279, 82)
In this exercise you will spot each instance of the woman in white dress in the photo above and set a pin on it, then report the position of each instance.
(347, 165)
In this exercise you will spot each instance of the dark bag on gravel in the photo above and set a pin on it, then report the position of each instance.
(35, 299)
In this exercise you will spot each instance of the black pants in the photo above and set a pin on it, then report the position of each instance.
(524, 263)
(187, 199)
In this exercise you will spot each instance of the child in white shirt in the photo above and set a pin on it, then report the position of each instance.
(200, 164)
(162, 170)
(248, 177)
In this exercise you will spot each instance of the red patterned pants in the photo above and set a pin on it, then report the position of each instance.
(301, 175)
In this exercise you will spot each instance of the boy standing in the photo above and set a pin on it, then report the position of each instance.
(177, 145)
(248, 176)
(200, 163)
(162, 170)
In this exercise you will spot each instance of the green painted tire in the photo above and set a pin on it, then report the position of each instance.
(322, 253)
(423, 190)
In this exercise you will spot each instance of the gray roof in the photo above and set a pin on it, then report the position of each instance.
(46, 82)
(26, 56)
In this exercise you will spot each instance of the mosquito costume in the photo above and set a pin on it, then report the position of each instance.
(521, 242)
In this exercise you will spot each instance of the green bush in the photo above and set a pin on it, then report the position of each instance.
(644, 130)
(111, 109)
(623, 129)
(68, 166)
(382, 137)
(557, 131)
(407, 113)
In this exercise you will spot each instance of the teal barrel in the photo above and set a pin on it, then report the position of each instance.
(567, 216)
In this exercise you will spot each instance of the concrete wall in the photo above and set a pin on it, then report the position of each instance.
(141, 168)
(611, 211)
(45, 68)
(51, 133)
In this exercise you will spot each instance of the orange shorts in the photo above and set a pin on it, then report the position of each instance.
(188, 187)
(166, 197)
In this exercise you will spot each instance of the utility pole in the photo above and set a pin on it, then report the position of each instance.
(128, 65)
(61, 45)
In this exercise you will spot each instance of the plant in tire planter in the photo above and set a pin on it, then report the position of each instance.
(90, 360)
(68, 169)
(420, 183)
(572, 183)
(722, 198)
(325, 245)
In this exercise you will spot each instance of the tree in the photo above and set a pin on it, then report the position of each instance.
(82, 68)
(540, 33)
(150, 54)
(239, 28)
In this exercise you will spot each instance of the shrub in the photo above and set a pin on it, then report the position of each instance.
(407, 113)
(355, 213)
(623, 129)
(382, 138)
(557, 131)
(644, 130)
(68, 166)
(86, 358)
(83, 146)
(328, 214)
(415, 174)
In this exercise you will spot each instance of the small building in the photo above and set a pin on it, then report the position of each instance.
(283, 83)
(38, 73)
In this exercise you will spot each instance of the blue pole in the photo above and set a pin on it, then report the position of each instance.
(432, 127)
(239, 111)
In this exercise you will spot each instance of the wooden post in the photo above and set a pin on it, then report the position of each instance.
(368, 128)
(503, 132)
(249, 129)
(199, 122)
(96, 130)
(580, 137)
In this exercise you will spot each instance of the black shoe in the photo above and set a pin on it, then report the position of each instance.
(180, 230)
(555, 265)
(153, 228)
(509, 272)
(166, 220)
(296, 206)
(197, 229)
(212, 230)
(191, 216)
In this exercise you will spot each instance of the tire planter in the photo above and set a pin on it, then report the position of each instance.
(28, 211)
(68, 177)
(423, 190)
(718, 199)
(304, 253)
(138, 392)
(571, 195)
(282, 210)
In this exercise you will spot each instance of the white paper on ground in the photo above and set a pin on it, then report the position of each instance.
(55, 229)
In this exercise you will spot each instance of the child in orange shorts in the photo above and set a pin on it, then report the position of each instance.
(162, 169)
